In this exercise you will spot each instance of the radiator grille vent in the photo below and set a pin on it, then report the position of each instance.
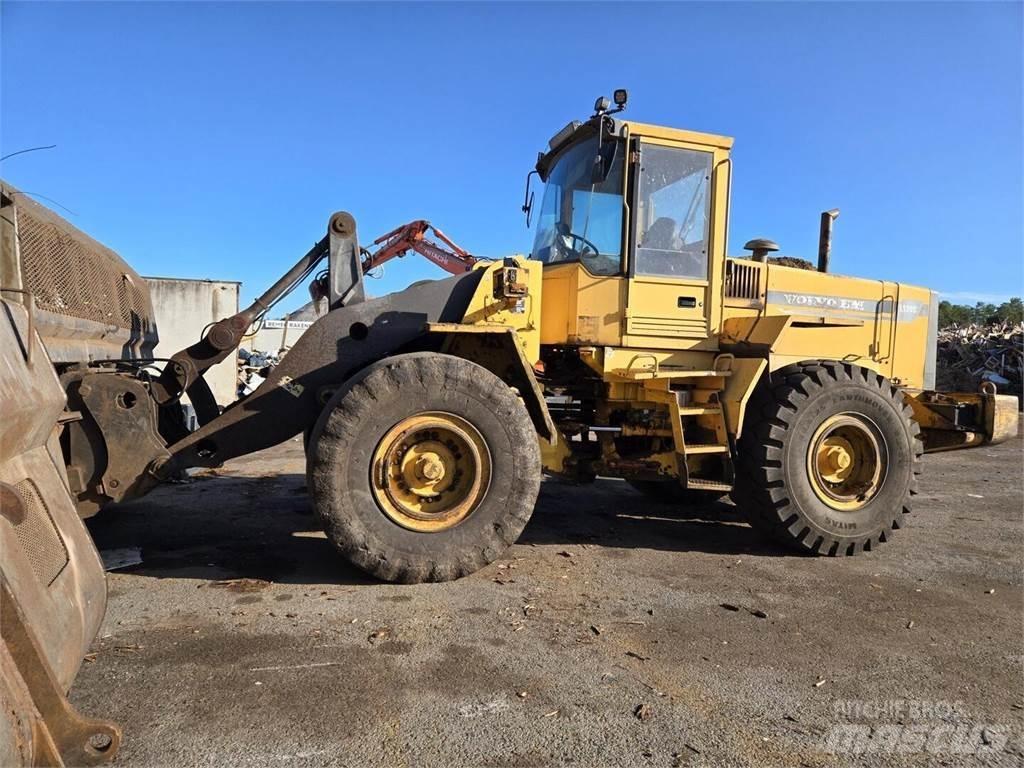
(742, 280)
(73, 275)
(38, 535)
(662, 326)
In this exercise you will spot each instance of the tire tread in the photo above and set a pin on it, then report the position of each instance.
(760, 486)
(337, 432)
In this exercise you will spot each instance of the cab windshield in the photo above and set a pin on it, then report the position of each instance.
(581, 220)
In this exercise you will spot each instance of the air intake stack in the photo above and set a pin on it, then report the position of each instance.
(760, 248)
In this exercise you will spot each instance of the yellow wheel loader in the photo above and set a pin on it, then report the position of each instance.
(626, 345)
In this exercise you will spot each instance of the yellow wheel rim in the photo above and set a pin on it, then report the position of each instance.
(430, 471)
(847, 461)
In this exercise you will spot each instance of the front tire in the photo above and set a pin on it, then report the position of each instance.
(829, 459)
(425, 468)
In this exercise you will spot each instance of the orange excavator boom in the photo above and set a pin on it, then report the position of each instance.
(414, 236)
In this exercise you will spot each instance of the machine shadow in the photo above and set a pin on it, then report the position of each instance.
(610, 513)
(219, 528)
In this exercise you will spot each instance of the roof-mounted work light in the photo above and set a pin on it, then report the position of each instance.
(603, 105)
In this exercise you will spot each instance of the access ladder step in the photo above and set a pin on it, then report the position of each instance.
(698, 484)
(689, 372)
(707, 448)
(667, 372)
(699, 410)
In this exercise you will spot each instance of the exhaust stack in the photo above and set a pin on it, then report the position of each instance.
(825, 238)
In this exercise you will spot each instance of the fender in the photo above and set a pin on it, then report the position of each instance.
(499, 349)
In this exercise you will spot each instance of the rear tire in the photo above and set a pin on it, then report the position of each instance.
(829, 459)
(426, 467)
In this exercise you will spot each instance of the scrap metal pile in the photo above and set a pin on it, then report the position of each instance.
(971, 354)
(253, 369)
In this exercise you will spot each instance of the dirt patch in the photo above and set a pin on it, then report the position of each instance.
(505, 667)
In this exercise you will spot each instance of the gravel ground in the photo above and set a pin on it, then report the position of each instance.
(616, 632)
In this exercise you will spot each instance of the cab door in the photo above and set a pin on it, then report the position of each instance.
(669, 295)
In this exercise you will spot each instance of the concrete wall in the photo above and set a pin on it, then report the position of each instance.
(183, 309)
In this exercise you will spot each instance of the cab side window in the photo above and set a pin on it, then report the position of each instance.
(673, 210)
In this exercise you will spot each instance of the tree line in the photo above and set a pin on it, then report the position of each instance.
(982, 313)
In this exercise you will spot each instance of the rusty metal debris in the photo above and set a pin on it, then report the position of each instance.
(756, 612)
(379, 634)
(642, 712)
(971, 354)
(241, 585)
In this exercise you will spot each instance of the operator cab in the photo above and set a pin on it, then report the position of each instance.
(641, 205)
(580, 218)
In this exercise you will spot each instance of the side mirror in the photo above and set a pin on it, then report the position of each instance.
(528, 199)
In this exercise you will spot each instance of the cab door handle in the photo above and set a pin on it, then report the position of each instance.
(686, 302)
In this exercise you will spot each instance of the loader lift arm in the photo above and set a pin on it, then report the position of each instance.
(341, 285)
(414, 236)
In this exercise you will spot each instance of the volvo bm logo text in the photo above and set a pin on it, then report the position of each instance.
(828, 302)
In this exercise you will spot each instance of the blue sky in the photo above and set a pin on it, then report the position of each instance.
(214, 140)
